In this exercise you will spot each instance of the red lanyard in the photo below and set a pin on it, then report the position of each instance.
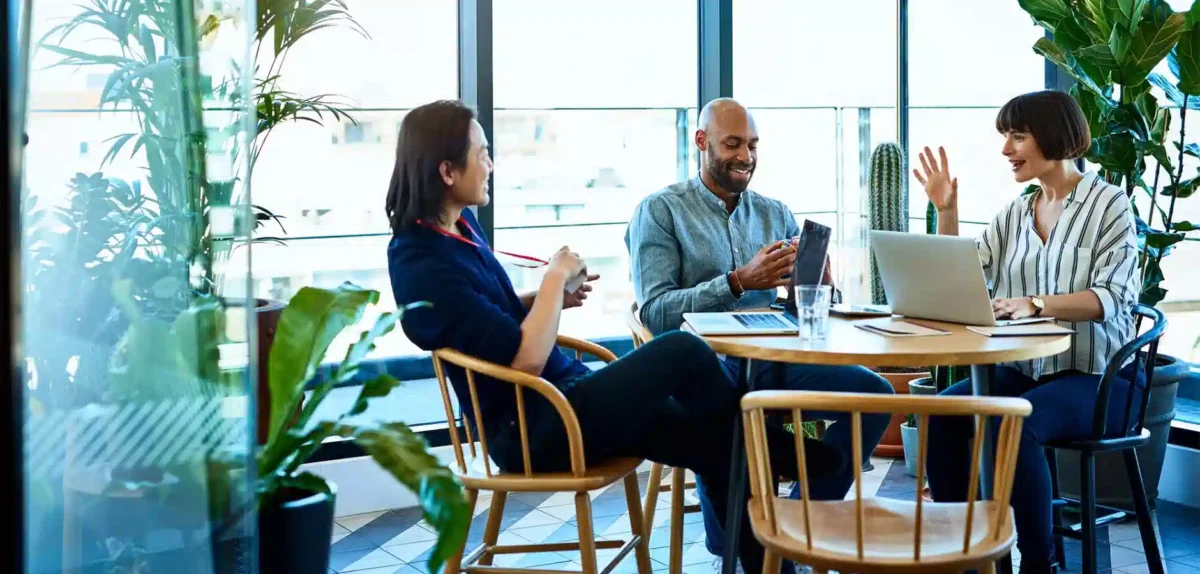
(539, 262)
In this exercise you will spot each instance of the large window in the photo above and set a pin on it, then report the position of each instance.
(823, 95)
(959, 77)
(328, 181)
(594, 111)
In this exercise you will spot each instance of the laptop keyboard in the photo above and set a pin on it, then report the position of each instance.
(760, 321)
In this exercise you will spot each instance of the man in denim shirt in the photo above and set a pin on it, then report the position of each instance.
(709, 244)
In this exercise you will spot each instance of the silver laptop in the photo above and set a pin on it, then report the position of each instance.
(736, 323)
(937, 277)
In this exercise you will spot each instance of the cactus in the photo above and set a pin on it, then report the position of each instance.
(930, 219)
(887, 202)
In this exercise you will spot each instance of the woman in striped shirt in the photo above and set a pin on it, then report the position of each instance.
(1067, 251)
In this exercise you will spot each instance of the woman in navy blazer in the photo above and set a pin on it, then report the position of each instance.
(670, 401)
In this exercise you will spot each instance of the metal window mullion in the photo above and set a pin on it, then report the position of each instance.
(475, 86)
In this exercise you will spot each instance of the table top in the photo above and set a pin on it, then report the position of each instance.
(846, 344)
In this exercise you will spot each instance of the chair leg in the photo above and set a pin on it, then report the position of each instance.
(988, 568)
(675, 566)
(1150, 542)
(656, 474)
(491, 532)
(454, 561)
(1087, 467)
(1060, 552)
(587, 539)
(637, 524)
(771, 562)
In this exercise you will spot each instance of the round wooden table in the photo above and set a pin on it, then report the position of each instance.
(846, 344)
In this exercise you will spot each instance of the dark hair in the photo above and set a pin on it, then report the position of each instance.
(1055, 120)
(429, 135)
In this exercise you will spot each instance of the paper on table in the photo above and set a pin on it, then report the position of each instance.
(1027, 330)
(897, 328)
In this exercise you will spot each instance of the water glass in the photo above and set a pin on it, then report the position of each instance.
(812, 311)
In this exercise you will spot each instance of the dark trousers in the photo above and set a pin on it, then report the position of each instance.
(1062, 409)
(671, 402)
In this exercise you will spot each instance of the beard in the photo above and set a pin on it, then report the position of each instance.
(721, 172)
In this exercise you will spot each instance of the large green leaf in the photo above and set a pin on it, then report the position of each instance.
(1150, 43)
(1183, 190)
(1184, 226)
(1095, 108)
(1101, 58)
(1048, 13)
(1072, 36)
(378, 387)
(1125, 14)
(1187, 59)
(1173, 93)
(1089, 14)
(1053, 52)
(403, 454)
(1115, 152)
(310, 322)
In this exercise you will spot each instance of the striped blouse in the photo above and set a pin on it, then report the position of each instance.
(1092, 247)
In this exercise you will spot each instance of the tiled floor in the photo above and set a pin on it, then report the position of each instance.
(398, 542)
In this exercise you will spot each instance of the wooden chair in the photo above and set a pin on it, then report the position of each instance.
(476, 472)
(679, 483)
(1100, 440)
(904, 536)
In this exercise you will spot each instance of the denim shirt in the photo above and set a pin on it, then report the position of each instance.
(682, 243)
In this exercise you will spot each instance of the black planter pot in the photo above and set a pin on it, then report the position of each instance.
(294, 533)
(1112, 488)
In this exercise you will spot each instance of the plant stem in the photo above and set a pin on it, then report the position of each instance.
(1179, 179)
(1150, 220)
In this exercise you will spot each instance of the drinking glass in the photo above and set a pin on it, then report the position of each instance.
(812, 311)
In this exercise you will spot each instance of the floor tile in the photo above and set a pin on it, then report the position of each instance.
(356, 521)
(410, 535)
(530, 519)
(1171, 567)
(563, 513)
(1171, 547)
(412, 552)
(362, 560)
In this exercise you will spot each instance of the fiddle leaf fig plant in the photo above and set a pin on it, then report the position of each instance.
(311, 321)
(1111, 49)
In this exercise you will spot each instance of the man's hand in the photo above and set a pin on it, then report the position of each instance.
(767, 268)
(577, 297)
(1014, 308)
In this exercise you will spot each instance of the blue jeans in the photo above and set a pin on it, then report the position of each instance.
(1062, 409)
(838, 435)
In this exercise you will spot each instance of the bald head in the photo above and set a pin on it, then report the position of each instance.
(723, 111)
(728, 142)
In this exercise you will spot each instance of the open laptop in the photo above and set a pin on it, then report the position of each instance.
(771, 323)
(937, 277)
(812, 248)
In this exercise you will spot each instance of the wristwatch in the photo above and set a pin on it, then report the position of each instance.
(1038, 306)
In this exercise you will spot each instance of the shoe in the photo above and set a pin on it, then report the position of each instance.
(716, 566)
(801, 568)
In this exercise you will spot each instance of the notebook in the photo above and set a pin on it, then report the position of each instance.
(896, 328)
(1026, 330)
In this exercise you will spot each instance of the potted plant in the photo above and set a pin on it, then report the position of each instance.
(1111, 49)
(910, 437)
(158, 49)
(887, 209)
(296, 507)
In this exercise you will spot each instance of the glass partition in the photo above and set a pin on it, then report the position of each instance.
(137, 427)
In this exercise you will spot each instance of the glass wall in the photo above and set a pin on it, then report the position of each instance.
(585, 130)
(137, 442)
(959, 77)
(818, 117)
(327, 178)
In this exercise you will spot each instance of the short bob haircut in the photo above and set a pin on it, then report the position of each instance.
(1053, 118)
(429, 135)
